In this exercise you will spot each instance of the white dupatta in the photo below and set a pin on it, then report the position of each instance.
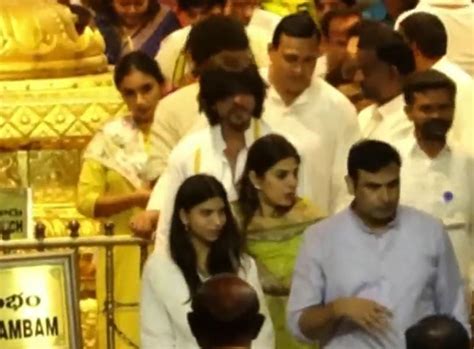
(120, 146)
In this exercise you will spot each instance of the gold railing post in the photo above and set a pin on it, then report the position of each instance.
(40, 234)
(109, 287)
(5, 231)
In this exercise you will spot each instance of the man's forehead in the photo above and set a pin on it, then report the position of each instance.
(293, 42)
(432, 96)
(384, 175)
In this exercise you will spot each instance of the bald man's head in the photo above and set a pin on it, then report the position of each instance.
(437, 332)
(225, 313)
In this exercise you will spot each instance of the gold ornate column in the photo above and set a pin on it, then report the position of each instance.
(55, 92)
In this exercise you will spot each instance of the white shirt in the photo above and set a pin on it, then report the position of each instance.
(265, 20)
(165, 304)
(328, 114)
(459, 24)
(321, 67)
(175, 116)
(444, 188)
(199, 152)
(174, 43)
(314, 178)
(388, 122)
(462, 131)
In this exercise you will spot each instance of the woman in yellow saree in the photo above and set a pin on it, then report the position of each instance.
(112, 187)
(273, 218)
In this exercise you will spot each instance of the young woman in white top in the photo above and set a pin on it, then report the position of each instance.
(203, 241)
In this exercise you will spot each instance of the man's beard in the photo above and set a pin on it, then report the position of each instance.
(435, 129)
(240, 121)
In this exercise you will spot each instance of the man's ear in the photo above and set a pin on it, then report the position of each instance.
(350, 185)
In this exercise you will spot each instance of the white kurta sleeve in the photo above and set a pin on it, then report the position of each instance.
(156, 330)
(266, 337)
(171, 180)
(348, 135)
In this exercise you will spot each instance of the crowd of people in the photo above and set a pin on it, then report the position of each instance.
(308, 181)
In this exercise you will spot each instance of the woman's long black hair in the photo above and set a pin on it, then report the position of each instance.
(262, 155)
(225, 253)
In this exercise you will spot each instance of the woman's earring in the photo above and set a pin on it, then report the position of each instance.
(257, 187)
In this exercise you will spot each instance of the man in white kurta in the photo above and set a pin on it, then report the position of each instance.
(384, 60)
(295, 94)
(232, 130)
(428, 40)
(173, 45)
(178, 113)
(458, 18)
(436, 177)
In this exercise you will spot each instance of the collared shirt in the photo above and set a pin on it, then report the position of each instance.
(174, 43)
(462, 131)
(164, 306)
(447, 186)
(329, 115)
(410, 269)
(314, 176)
(175, 116)
(200, 152)
(459, 24)
(265, 20)
(388, 122)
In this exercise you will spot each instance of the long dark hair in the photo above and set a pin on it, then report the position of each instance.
(106, 9)
(140, 61)
(262, 155)
(225, 253)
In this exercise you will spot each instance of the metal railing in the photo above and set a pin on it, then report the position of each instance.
(108, 241)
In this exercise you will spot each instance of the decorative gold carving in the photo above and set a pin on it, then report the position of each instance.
(43, 42)
(52, 120)
(50, 113)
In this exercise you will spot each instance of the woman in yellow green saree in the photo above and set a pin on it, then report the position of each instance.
(113, 187)
(273, 219)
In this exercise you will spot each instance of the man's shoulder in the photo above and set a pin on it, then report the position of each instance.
(455, 72)
(182, 101)
(191, 142)
(330, 94)
(367, 110)
(421, 221)
(190, 90)
(177, 36)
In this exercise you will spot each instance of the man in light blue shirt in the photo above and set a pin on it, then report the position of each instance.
(368, 273)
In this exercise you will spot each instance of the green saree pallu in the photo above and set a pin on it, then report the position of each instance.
(274, 242)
